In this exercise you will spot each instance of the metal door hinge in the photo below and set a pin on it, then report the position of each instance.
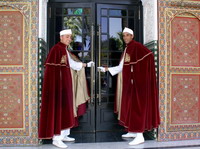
(139, 14)
(49, 12)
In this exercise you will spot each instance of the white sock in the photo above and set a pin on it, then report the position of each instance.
(139, 135)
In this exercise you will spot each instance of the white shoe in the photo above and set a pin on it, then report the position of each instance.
(68, 139)
(129, 135)
(59, 144)
(138, 140)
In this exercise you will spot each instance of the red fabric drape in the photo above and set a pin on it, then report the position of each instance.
(139, 103)
(57, 96)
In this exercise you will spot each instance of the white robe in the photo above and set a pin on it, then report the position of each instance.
(117, 69)
(73, 64)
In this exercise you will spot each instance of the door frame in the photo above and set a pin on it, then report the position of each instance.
(102, 108)
(53, 3)
(94, 2)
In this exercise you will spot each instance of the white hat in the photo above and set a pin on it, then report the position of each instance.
(128, 30)
(66, 31)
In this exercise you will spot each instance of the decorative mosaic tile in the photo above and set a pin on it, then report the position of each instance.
(179, 74)
(19, 99)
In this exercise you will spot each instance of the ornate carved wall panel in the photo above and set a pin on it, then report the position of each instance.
(18, 72)
(185, 41)
(11, 38)
(185, 99)
(11, 101)
(179, 66)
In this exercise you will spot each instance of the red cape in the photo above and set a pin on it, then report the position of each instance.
(139, 108)
(57, 94)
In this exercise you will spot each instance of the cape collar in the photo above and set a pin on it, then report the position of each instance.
(130, 43)
(62, 44)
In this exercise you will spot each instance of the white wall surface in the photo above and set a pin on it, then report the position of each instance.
(150, 20)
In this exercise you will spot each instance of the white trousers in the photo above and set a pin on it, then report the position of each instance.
(63, 133)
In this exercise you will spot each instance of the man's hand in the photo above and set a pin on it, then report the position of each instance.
(84, 64)
(102, 69)
(90, 64)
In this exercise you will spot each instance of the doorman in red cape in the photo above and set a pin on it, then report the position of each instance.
(137, 95)
(64, 92)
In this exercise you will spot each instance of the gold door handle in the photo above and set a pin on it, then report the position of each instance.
(99, 63)
(92, 71)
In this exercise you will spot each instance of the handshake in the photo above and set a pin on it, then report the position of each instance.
(90, 64)
(102, 69)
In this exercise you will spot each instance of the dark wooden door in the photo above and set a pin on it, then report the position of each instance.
(97, 37)
(111, 20)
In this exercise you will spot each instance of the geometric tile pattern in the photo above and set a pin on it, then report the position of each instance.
(11, 38)
(179, 71)
(185, 41)
(153, 46)
(19, 72)
(11, 101)
(42, 54)
(185, 103)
